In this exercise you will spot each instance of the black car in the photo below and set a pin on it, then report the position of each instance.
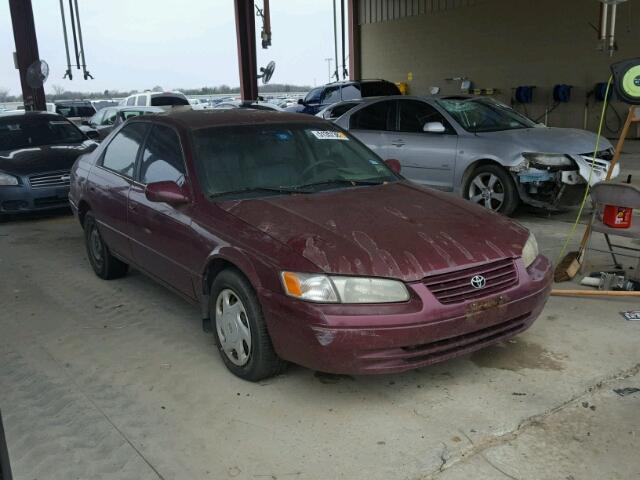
(75, 110)
(37, 150)
(105, 120)
(321, 97)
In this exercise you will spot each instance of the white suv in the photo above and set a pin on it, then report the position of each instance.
(155, 99)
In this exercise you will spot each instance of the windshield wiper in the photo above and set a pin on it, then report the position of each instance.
(259, 190)
(342, 181)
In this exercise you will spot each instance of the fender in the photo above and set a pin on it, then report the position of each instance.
(226, 256)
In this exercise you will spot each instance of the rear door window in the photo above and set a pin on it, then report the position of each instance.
(341, 109)
(313, 96)
(109, 117)
(331, 95)
(351, 92)
(162, 159)
(379, 89)
(97, 118)
(142, 100)
(414, 114)
(379, 116)
(122, 151)
(168, 100)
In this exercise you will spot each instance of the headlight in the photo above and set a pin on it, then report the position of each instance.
(530, 251)
(342, 289)
(6, 180)
(548, 159)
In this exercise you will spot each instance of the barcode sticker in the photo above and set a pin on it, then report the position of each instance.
(329, 135)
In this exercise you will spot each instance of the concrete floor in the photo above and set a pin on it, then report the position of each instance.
(116, 380)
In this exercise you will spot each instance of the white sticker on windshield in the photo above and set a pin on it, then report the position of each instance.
(329, 135)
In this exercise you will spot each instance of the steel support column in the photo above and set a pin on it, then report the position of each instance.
(354, 40)
(246, 36)
(24, 33)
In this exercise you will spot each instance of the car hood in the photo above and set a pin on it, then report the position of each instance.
(570, 141)
(48, 158)
(397, 230)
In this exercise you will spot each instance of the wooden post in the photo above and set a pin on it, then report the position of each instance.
(246, 36)
(24, 34)
(632, 117)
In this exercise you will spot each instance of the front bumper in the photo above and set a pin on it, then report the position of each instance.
(365, 339)
(22, 199)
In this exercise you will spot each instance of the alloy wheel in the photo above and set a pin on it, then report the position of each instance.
(487, 190)
(232, 326)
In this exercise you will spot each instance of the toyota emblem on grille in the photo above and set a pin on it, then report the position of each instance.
(478, 281)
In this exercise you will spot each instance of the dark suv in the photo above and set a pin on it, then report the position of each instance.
(321, 97)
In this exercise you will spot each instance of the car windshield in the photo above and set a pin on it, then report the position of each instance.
(252, 161)
(29, 131)
(484, 114)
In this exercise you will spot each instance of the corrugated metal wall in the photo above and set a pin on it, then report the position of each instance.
(374, 11)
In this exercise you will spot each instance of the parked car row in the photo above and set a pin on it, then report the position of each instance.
(301, 245)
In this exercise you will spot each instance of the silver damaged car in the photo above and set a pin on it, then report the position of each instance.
(481, 149)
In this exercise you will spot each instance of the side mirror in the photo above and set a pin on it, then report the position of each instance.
(393, 164)
(92, 134)
(434, 127)
(166, 192)
(300, 101)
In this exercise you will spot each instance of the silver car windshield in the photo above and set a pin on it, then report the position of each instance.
(484, 114)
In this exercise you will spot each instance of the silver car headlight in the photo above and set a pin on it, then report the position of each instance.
(548, 159)
(7, 180)
(530, 250)
(343, 289)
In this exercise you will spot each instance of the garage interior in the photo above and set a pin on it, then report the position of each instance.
(116, 380)
(499, 45)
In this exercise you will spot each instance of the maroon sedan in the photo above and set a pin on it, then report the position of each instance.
(301, 245)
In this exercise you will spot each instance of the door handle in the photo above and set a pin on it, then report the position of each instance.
(133, 207)
(398, 143)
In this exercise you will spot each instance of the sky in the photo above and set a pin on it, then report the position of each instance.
(137, 44)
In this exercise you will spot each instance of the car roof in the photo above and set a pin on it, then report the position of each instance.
(197, 119)
(141, 108)
(23, 113)
(72, 102)
(366, 80)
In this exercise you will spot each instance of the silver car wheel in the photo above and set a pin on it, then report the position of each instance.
(95, 243)
(487, 190)
(232, 326)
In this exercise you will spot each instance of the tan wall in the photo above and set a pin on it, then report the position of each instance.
(502, 44)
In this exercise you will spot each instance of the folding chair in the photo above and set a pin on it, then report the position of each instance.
(621, 195)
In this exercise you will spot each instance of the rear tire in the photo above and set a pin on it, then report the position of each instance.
(239, 328)
(492, 187)
(105, 265)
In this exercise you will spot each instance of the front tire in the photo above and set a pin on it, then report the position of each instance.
(240, 330)
(105, 265)
(492, 187)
